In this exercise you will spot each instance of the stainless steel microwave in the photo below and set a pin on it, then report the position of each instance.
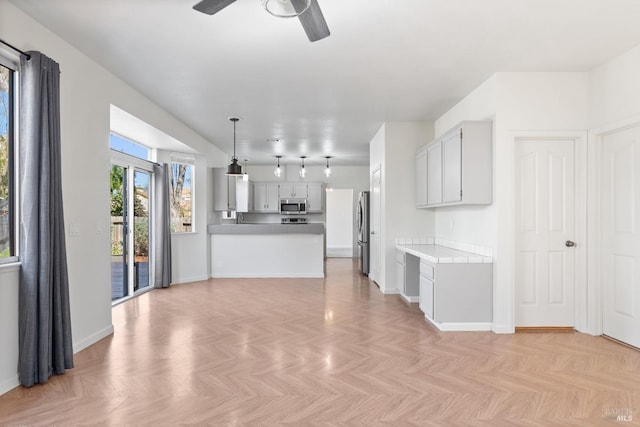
(293, 206)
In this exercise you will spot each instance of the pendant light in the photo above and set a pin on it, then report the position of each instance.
(234, 169)
(285, 8)
(302, 171)
(278, 172)
(245, 175)
(327, 170)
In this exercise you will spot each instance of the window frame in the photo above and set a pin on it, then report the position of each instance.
(188, 160)
(12, 63)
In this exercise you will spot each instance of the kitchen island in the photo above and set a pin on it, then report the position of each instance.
(267, 250)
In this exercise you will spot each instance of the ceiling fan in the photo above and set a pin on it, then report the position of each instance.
(308, 11)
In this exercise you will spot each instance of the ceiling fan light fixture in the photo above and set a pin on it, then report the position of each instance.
(234, 169)
(302, 171)
(278, 171)
(286, 8)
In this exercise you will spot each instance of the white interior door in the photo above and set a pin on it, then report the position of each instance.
(374, 228)
(620, 189)
(544, 230)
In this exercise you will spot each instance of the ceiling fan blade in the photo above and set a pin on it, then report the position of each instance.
(212, 6)
(312, 20)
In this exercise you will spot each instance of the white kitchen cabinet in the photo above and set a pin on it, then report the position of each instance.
(421, 177)
(434, 173)
(456, 293)
(293, 190)
(400, 271)
(407, 276)
(451, 168)
(224, 190)
(460, 166)
(265, 197)
(315, 197)
(426, 296)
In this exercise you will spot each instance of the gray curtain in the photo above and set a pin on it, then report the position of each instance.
(44, 317)
(161, 227)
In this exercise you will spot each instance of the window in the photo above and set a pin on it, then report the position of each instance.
(127, 146)
(181, 177)
(8, 199)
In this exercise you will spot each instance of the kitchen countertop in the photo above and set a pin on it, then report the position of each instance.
(312, 228)
(444, 255)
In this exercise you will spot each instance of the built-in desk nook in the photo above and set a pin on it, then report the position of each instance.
(453, 288)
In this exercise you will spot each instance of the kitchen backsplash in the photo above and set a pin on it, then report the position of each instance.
(466, 247)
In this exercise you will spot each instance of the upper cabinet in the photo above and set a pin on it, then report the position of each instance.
(293, 190)
(421, 177)
(315, 199)
(459, 167)
(434, 173)
(224, 190)
(265, 197)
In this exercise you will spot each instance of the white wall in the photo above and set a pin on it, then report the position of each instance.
(614, 91)
(469, 224)
(393, 148)
(614, 103)
(87, 91)
(516, 102)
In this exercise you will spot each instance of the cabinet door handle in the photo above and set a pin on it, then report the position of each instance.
(569, 243)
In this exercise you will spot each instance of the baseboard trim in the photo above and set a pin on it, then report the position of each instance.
(9, 385)
(502, 329)
(269, 276)
(340, 252)
(460, 326)
(92, 339)
(527, 329)
(180, 281)
(607, 337)
(408, 299)
(390, 291)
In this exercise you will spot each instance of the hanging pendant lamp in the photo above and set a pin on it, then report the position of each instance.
(278, 172)
(234, 169)
(245, 175)
(327, 170)
(302, 171)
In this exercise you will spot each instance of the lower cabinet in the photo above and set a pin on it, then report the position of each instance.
(452, 293)
(400, 271)
(426, 296)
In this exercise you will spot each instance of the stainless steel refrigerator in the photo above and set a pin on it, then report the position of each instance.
(363, 231)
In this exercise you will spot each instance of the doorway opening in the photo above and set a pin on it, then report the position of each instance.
(339, 242)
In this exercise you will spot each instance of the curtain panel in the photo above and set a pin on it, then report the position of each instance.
(161, 226)
(44, 314)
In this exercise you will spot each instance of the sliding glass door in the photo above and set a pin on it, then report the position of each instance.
(119, 232)
(141, 230)
(130, 227)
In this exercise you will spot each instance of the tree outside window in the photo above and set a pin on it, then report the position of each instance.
(6, 172)
(181, 197)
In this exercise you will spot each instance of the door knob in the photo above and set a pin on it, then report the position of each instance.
(373, 232)
(569, 243)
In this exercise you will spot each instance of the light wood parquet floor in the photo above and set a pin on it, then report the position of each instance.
(324, 352)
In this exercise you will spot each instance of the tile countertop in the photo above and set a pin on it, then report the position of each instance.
(443, 254)
(275, 228)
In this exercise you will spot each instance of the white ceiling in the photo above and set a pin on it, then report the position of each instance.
(385, 60)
